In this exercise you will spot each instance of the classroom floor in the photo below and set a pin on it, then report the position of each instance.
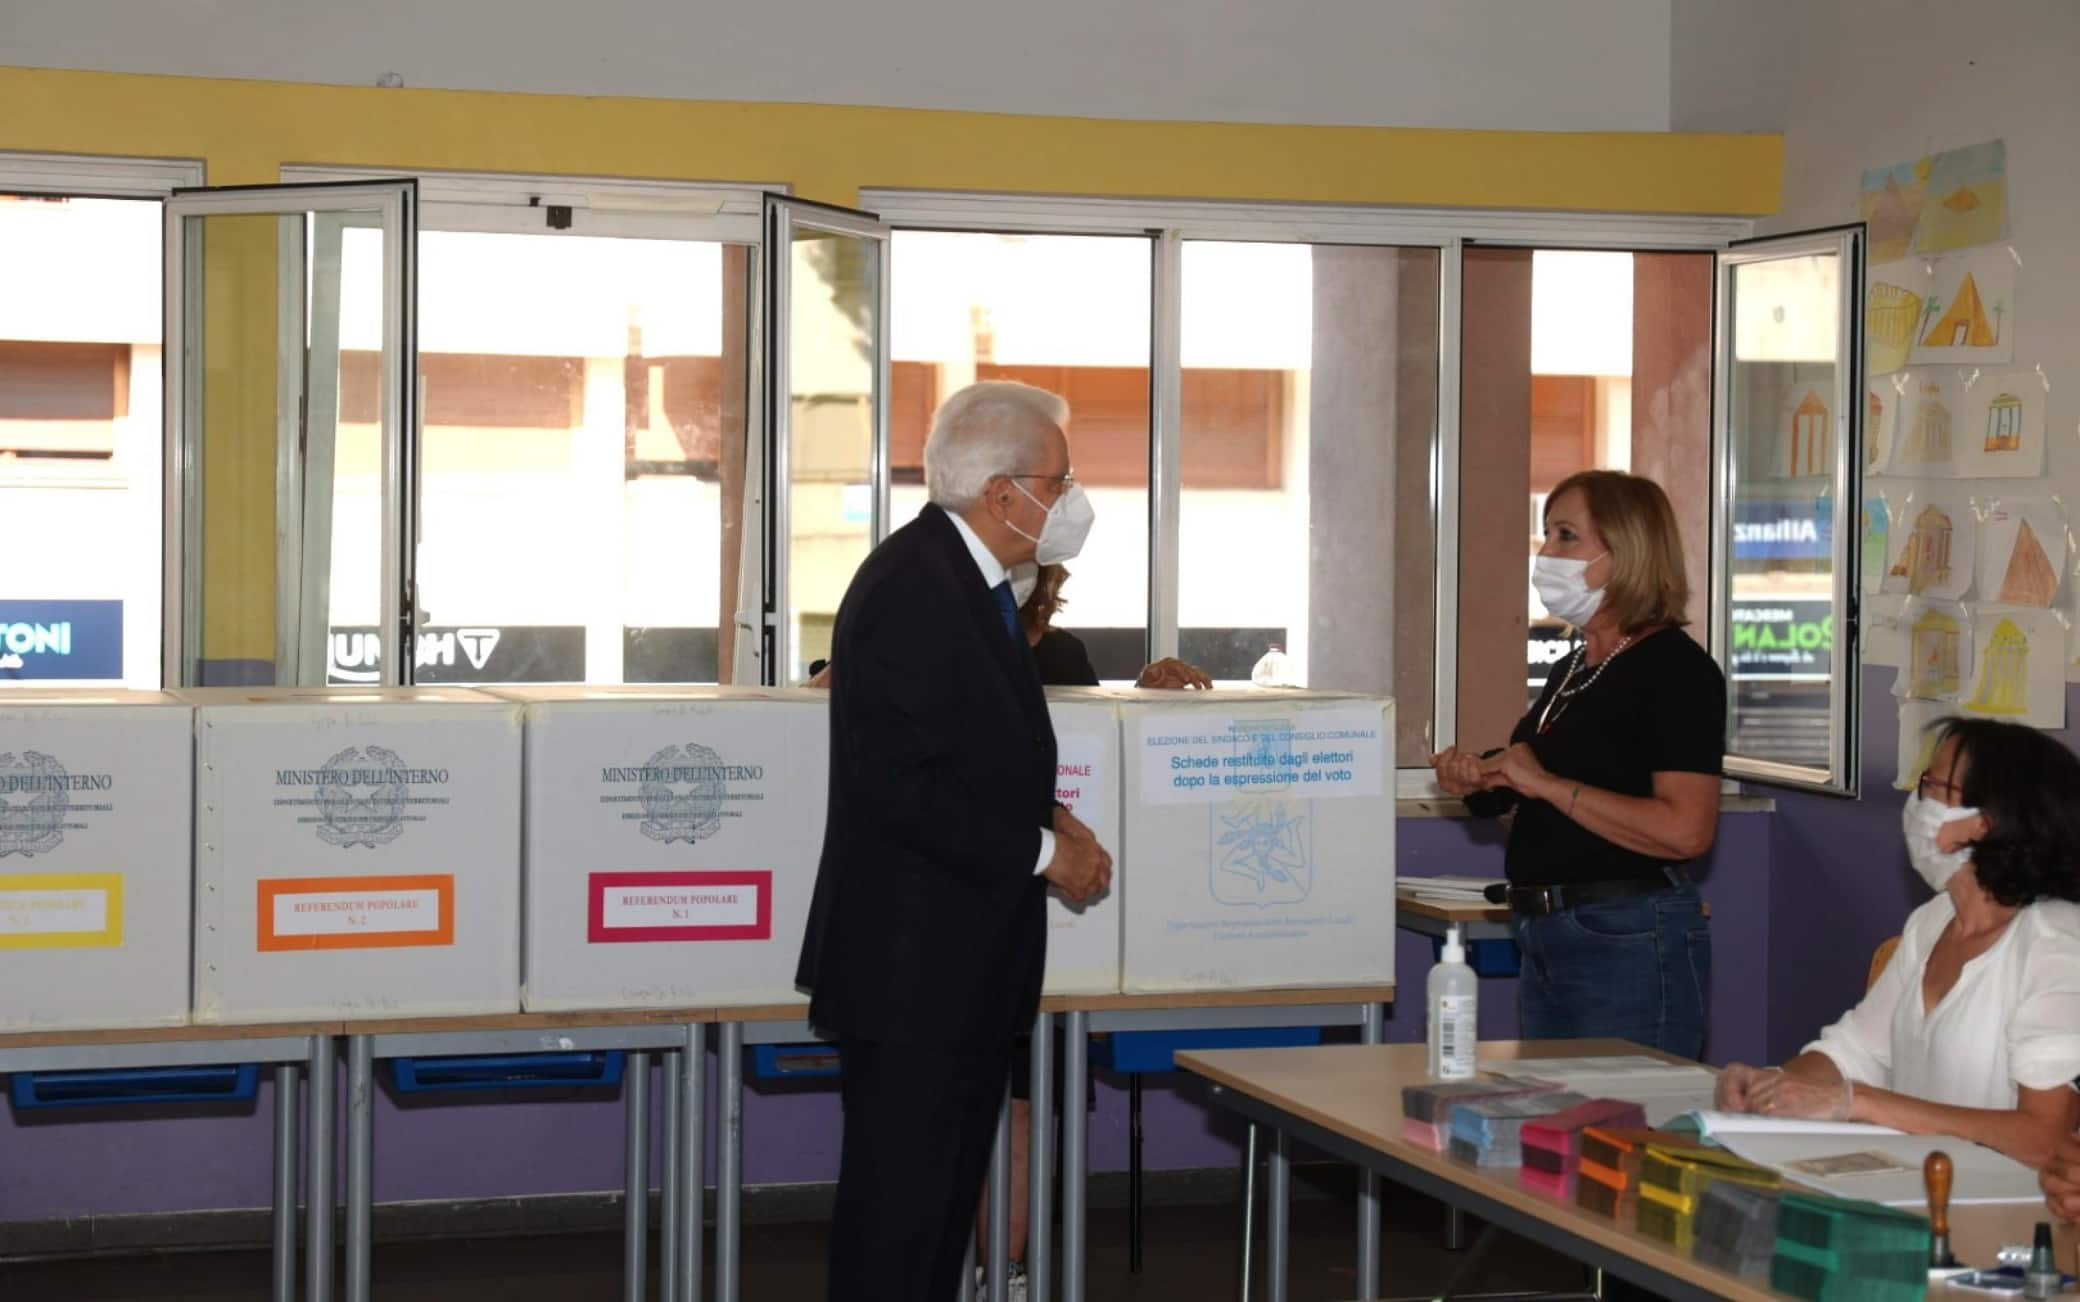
(1191, 1252)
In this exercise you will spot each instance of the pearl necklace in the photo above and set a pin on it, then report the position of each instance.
(1568, 690)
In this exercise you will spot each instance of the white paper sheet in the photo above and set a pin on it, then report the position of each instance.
(1925, 430)
(1933, 539)
(2022, 551)
(1938, 659)
(2019, 657)
(2000, 429)
(1970, 312)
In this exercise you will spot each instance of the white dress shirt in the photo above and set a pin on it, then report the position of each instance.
(2012, 1020)
(992, 575)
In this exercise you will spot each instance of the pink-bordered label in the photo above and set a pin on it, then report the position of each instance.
(629, 908)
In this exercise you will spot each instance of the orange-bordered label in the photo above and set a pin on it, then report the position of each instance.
(297, 913)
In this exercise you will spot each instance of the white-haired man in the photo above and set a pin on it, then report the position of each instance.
(928, 929)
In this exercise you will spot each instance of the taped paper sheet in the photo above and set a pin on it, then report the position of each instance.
(2018, 665)
(1970, 312)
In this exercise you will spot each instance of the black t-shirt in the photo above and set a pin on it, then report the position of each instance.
(1063, 661)
(1659, 707)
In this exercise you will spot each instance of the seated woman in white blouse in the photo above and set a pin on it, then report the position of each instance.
(1974, 1027)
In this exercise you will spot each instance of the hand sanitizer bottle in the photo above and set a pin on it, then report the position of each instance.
(1454, 1024)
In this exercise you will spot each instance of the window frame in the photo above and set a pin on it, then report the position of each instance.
(1170, 224)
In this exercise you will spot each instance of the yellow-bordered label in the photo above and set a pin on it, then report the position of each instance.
(61, 911)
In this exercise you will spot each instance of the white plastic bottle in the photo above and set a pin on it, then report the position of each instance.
(1454, 1027)
(1270, 669)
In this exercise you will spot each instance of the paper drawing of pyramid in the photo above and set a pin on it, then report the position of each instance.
(2030, 580)
(1965, 324)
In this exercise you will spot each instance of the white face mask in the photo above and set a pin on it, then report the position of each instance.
(1920, 821)
(1069, 522)
(1024, 577)
(1563, 588)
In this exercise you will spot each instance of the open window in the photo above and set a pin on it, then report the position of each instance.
(262, 299)
(1788, 481)
(825, 482)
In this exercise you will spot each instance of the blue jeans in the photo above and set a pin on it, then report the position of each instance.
(1637, 968)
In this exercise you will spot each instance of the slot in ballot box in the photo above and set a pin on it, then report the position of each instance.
(1258, 843)
(96, 810)
(357, 853)
(672, 841)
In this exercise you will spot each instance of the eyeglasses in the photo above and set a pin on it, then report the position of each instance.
(1065, 480)
(1931, 783)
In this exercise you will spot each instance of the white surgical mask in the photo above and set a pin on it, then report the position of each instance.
(1069, 522)
(1563, 588)
(1920, 821)
(1024, 577)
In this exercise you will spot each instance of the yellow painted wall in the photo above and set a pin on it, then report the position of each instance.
(244, 131)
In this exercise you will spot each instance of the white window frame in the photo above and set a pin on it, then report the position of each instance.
(92, 176)
(1172, 222)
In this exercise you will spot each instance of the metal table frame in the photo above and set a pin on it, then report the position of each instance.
(681, 1051)
(1287, 1126)
(1079, 1024)
(290, 1055)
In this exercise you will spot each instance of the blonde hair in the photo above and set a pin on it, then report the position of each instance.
(1649, 584)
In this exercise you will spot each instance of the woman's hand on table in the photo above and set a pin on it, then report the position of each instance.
(2060, 1180)
(1738, 1083)
(1802, 1098)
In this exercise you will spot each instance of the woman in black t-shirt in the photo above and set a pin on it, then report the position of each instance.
(1614, 779)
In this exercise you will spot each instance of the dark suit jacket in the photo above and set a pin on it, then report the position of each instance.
(929, 925)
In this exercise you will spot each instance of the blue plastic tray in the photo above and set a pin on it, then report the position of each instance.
(507, 1071)
(1148, 1051)
(32, 1090)
(794, 1061)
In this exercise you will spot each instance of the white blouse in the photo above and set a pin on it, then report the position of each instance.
(2012, 1019)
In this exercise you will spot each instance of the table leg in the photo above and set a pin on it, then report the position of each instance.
(1249, 1210)
(729, 1162)
(1278, 1188)
(635, 1211)
(1000, 1205)
(319, 1194)
(669, 1179)
(1134, 1173)
(1040, 1149)
(693, 1131)
(285, 1074)
(1372, 1029)
(360, 1163)
(1075, 1153)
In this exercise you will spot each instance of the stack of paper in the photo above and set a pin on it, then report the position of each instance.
(1736, 1228)
(1832, 1250)
(1673, 1178)
(1485, 1131)
(1608, 1170)
(1426, 1109)
(1665, 1089)
(1553, 1145)
(1448, 890)
(1870, 1163)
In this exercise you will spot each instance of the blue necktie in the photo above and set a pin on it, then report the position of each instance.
(1009, 609)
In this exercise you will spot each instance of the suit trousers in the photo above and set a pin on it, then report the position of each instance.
(919, 1124)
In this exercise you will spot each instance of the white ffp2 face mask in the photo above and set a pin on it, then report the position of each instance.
(1069, 523)
(1024, 577)
(1563, 588)
(1920, 821)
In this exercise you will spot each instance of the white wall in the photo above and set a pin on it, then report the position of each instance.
(1730, 62)
(1885, 81)
(1562, 65)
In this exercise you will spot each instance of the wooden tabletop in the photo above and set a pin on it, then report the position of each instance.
(1444, 911)
(1355, 1091)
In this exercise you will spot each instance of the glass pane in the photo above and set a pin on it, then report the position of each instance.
(834, 298)
(80, 441)
(290, 444)
(1281, 342)
(1071, 315)
(1781, 393)
(600, 384)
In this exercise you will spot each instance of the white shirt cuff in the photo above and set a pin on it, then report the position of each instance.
(1046, 852)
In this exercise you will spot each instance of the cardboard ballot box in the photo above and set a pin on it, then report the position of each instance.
(672, 842)
(1258, 846)
(96, 803)
(357, 853)
(1083, 944)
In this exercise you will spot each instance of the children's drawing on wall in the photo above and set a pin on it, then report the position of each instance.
(2001, 425)
(1966, 201)
(1876, 518)
(2019, 666)
(1970, 312)
(1889, 201)
(1938, 659)
(1884, 630)
(2022, 551)
(1805, 431)
(1917, 745)
(1881, 406)
(1891, 312)
(1926, 443)
(1933, 539)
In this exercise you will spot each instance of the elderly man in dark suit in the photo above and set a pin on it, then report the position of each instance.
(928, 929)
